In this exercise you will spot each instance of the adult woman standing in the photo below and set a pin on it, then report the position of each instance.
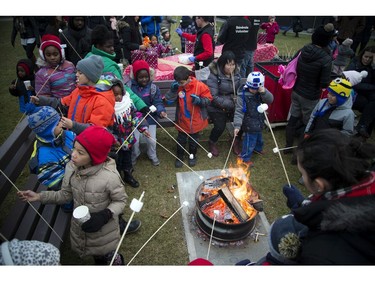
(224, 80)
(365, 98)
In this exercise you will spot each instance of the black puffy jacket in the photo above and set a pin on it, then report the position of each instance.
(313, 71)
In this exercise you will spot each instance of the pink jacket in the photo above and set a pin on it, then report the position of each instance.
(271, 29)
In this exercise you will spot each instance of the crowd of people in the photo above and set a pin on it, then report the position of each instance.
(89, 122)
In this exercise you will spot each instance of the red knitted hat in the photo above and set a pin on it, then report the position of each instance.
(139, 65)
(50, 40)
(97, 141)
(200, 261)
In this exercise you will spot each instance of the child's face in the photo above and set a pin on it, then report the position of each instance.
(143, 78)
(80, 156)
(166, 36)
(118, 93)
(107, 47)
(154, 40)
(331, 98)
(21, 73)
(81, 78)
(52, 55)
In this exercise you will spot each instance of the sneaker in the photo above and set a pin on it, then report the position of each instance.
(155, 162)
(249, 163)
(178, 163)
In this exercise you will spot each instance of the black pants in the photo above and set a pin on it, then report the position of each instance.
(182, 139)
(124, 160)
(219, 120)
(365, 103)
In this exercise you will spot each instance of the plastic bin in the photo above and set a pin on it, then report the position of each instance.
(277, 111)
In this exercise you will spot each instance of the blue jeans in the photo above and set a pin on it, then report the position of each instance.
(247, 65)
(251, 142)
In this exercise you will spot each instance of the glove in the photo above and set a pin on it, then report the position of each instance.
(196, 100)
(192, 59)
(97, 220)
(179, 31)
(293, 195)
(174, 86)
(144, 110)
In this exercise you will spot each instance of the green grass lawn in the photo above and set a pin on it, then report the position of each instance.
(168, 247)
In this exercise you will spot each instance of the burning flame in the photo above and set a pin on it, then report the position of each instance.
(238, 184)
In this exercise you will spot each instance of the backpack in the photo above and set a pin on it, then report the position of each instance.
(288, 74)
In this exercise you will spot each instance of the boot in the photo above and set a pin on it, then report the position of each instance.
(213, 148)
(193, 162)
(128, 178)
(236, 147)
(284, 33)
(178, 163)
(133, 227)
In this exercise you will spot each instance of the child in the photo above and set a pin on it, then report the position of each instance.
(91, 179)
(247, 117)
(141, 84)
(157, 47)
(56, 76)
(344, 55)
(28, 252)
(87, 104)
(126, 119)
(193, 97)
(23, 86)
(165, 40)
(335, 111)
(272, 28)
(52, 149)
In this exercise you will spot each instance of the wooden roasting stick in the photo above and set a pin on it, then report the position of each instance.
(233, 204)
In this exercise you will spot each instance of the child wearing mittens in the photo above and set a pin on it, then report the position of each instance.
(23, 86)
(91, 179)
(192, 97)
(247, 117)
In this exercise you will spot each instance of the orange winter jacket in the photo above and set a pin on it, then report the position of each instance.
(192, 118)
(90, 105)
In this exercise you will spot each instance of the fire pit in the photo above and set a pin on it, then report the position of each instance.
(237, 202)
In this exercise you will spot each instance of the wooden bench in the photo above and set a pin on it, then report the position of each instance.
(22, 221)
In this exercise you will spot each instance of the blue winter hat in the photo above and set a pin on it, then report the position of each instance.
(42, 120)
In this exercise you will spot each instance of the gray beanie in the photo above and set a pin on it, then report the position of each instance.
(92, 67)
(28, 252)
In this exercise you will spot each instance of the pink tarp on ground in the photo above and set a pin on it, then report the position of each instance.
(164, 71)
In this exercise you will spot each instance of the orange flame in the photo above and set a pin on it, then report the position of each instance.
(241, 189)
